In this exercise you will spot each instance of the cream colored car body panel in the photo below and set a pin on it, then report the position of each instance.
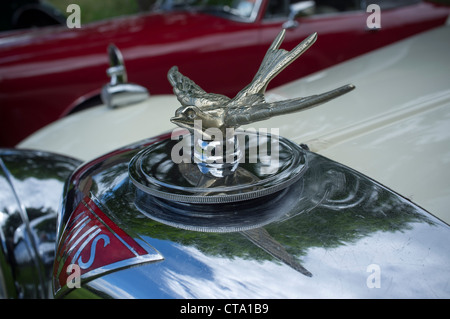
(93, 132)
(394, 127)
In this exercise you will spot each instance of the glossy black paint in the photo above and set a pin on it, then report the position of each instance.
(341, 235)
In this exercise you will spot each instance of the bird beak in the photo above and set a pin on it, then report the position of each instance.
(180, 121)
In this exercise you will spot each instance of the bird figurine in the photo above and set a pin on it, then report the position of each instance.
(249, 105)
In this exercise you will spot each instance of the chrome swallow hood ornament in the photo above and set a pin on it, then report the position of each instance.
(249, 105)
(220, 162)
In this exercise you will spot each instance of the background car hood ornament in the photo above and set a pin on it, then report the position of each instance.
(221, 163)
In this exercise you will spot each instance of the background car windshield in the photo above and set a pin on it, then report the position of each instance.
(240, 8)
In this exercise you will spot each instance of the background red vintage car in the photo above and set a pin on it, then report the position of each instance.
(49, 72)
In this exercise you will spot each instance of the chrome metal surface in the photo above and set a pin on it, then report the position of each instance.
(325, 240)
(295, 9)
(154, 172)
(118, 92)
(31, 187)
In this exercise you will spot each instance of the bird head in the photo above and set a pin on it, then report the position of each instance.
(186, 115)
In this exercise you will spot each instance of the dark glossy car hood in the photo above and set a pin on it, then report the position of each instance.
(334, 233)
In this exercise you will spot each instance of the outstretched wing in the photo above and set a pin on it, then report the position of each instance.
(190, 94)
(259, 112)
(273, 63)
